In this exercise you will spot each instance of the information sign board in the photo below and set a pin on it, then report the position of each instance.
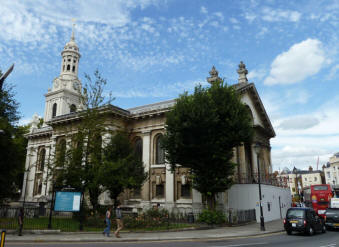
(67, 201)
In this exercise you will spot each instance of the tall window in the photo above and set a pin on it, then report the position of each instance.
(72, 108)
(138, 148)
(54, 110)
(159, 151)
(41, 160)
(61, 153)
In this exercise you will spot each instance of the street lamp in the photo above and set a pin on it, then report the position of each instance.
(257, 148)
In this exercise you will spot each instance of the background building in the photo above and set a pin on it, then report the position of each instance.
(331, 172)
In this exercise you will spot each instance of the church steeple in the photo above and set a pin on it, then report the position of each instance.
(70, 57)
(65, 95)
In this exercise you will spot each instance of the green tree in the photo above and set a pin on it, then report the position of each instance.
(80, 163)
(201, 131)
(121, 168)
(12, 144)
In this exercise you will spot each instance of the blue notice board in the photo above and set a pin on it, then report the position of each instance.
(67, 201)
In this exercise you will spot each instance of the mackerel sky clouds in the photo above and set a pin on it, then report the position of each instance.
(153, 50)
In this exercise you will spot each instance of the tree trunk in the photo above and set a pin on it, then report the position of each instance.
(211, 202)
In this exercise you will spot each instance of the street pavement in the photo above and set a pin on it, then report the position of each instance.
(252, 229)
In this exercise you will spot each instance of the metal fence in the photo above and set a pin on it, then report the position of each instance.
(37, 217)
(269, 179)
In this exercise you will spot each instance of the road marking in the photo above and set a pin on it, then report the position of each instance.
(236, 245)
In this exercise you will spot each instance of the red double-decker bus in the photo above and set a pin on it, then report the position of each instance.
(318, 197)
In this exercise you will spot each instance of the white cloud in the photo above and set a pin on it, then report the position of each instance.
(160, 90)
(302, 60)
(233, 20)
(257, 74)
(203, 10)
(333, 72)
(299, 122)
(274, 15)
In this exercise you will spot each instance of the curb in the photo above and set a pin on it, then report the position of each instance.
(115, 240)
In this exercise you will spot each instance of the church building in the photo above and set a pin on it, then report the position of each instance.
(146, 124)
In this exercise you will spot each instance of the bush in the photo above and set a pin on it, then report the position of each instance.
(212, 217)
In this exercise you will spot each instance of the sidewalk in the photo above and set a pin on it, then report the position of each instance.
(216, 233)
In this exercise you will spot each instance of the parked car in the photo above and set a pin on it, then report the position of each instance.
(304, 220)
(332, 214)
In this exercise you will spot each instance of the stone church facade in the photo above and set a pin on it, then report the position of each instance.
(146, 125)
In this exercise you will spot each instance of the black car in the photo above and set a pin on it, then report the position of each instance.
(332, 218)
(304, 220)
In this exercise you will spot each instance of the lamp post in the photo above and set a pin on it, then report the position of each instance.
(257, 148)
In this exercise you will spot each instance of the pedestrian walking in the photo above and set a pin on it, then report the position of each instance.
(118, 216)
(21, 221)
(108, 223)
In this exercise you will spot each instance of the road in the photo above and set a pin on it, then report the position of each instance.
(329, 239)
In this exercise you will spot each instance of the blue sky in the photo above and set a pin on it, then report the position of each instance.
(153, 50)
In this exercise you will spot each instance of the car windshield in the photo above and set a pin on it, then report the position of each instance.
(295, 213)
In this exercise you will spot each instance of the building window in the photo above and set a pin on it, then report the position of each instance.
(54, 110)
(186, 190)
(268, 206)
(159, 151)
(73, 69)
(68, 67)
(159, 190)
(305, 179)
(41, 160)
(315, 179)
(61, 153)
(328, 174)
(73, 108)
(138, 148)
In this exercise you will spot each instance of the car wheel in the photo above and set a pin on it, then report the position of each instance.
(310, 231)
(289, 232)
(323, 230)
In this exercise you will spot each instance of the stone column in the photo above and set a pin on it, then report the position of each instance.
(26, 174)
(169, 187)
(51, 158)
(196, 200)
(46, 172)
(242, 163)
(146, 155)
(31, 174)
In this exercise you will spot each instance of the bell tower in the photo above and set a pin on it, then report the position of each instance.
(65, 95)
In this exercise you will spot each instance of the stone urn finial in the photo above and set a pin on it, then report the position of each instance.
(213, 76)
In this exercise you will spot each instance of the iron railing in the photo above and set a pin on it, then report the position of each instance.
(36, 217)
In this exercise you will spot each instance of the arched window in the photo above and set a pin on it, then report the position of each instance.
(72, 108)
(159, 151)
(73, 69)
(41, 160)
(68, 67)
(138, 148)
(54, 111)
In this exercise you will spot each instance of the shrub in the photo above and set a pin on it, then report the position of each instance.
(212, 217)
